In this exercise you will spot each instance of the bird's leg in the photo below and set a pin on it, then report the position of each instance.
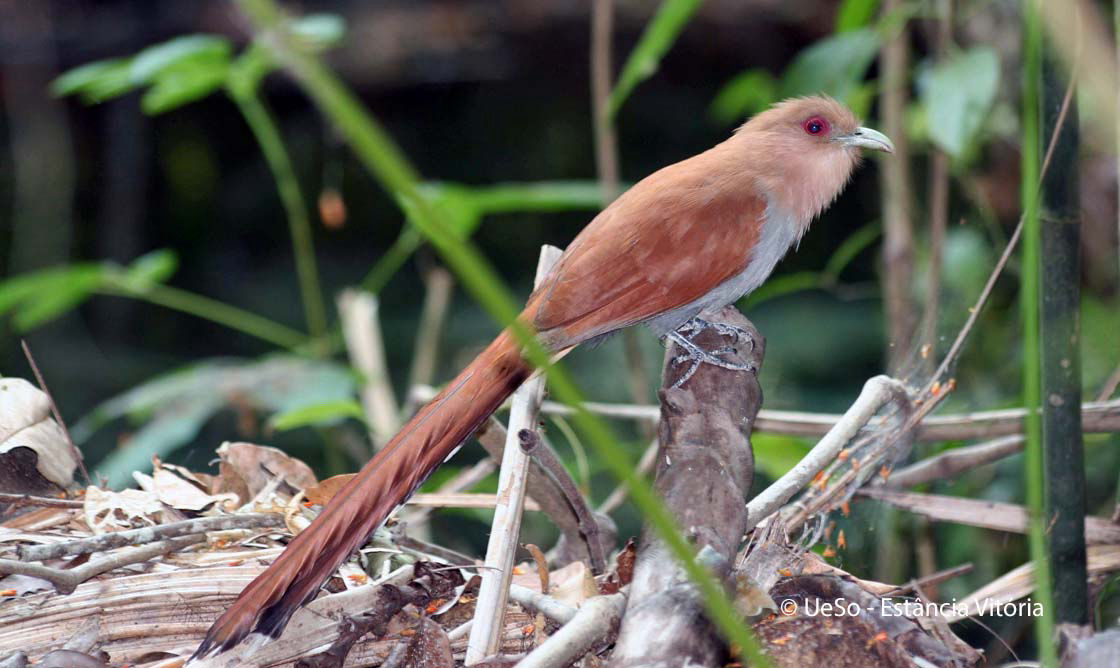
(683, 336)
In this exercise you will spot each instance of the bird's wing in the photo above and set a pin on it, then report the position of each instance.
(665, 243)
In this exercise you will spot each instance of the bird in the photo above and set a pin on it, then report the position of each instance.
(695, 235)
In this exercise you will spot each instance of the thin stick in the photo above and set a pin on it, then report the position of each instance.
(557, 611)
(66, 581)
(931, 579)
(54, 410)
(1097, 417)
(952, 463)
(589, 528)
(877, 392)
(362, 332)
(439, 286)
(17, 500)
(500, 552)
(146, 535)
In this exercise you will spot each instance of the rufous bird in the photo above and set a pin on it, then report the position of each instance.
(692, 236)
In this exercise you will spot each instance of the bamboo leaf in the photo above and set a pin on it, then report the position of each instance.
(97, 81)
(186, 51)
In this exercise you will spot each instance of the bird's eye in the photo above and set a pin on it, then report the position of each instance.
(816, 126)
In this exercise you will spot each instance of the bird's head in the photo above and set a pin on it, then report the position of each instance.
(805, 149)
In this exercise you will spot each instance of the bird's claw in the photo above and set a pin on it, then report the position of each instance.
(697, 324)
(697, 356)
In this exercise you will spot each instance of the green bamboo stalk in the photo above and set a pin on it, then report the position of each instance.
(1061, 354)
(1029, 307)
(268, 136)
(385, 162)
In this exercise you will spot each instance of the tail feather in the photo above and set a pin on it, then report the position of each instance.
(363, 504)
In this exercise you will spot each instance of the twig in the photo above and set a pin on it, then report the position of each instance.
(931, 579)
(589, 528)
(66, 581)
(362, 331)
(985, 293)
(557, 611)
(993, 515)
(17, 500)
(1097, 417)
(1113, 381)
(439, 286)
(954, 462)
(54, 410)
(463, 481)
(877, 392)
(596, 619)
(502, 547)
(146, 535)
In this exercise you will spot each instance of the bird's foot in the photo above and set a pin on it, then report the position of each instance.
(697, 324)
(696, 355)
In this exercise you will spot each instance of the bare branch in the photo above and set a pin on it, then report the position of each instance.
(142, 536)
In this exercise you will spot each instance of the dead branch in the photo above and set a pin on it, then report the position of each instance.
(147, 535)
(559, 612)
(65, 581)
(485, 638)
(17, 500)
(1097, 417)
(877, 392)
(550, 463)
(994, 515)
(596, 619)
(952, 463)
(362, 331)
(704, 472)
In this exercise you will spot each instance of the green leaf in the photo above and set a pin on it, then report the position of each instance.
(154, 267)
(745, 95)
(319, 32)
(186, 51)
(173, 407)
(833, 66)
(330, 412)
(855, 14)
(958, 94)
(658, 37)
(62, 296)
(42, 295)
(97, 81)
(182, 85)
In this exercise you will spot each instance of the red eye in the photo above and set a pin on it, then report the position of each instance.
(816, 126)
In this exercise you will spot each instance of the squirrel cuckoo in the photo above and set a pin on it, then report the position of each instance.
(695, 235)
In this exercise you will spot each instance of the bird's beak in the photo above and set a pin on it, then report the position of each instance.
(870, 139)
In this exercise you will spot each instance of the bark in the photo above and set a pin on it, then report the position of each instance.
(704, 471)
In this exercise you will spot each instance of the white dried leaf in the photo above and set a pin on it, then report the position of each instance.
(107, 511)
(178, 493)
(26, 422)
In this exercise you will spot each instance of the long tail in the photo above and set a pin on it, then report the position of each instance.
(363, 504)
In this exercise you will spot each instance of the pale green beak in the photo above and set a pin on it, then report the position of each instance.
(869, 139)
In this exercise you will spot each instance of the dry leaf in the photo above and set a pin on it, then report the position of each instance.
(26, 422)
(178, 493)
(257, 465)
(106, 510)
(323, 492)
